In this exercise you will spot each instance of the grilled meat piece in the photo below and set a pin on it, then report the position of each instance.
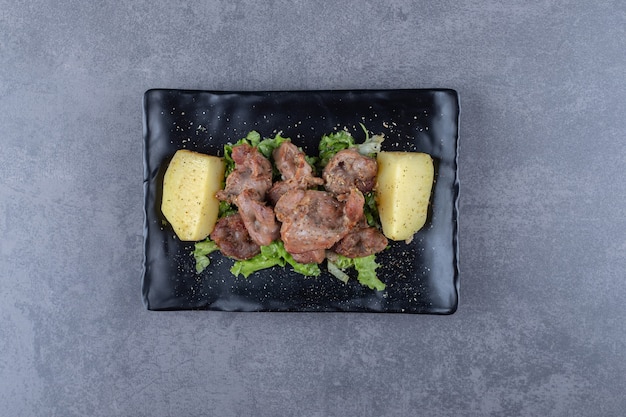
(258, 218)
(314, 256)
(233, 239)
(360, 242)
(252, 171)
(295, 171)
(314, 220)
(349, 169)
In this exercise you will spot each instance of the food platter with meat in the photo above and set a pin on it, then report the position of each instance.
(294, 214)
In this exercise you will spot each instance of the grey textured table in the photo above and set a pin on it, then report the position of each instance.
(540, 326)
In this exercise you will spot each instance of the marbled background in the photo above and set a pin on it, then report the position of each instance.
(540, 328)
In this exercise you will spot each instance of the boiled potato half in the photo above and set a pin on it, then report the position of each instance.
(403, 186)
(189, 188)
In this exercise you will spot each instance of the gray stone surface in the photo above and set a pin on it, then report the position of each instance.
(540, 329)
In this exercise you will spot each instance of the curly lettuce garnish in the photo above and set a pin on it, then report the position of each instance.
(332, 143)
(338, 141)
(372, 145)
(370, 210)
(201, 253)
(267, 145)
(271, 255)
(365, 268)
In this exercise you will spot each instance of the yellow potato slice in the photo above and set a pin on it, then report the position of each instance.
(189, 188)
(403, 185)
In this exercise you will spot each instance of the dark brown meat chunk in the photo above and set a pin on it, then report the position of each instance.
(314, 256)
(233, 239)
(258, 218)
(314, 220)
(361, 242)
(291, 162)
(295, 171)
(279, 188)
(252, 171)
(349, 169)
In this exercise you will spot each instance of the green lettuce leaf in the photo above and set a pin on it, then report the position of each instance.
(201, 253)
(271, 255)
(371, 146)
(370, 210)
(332, 143)
(365, 268)
(333, 269)
(267, 145)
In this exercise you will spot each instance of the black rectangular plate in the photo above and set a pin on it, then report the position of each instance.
(421, 277)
